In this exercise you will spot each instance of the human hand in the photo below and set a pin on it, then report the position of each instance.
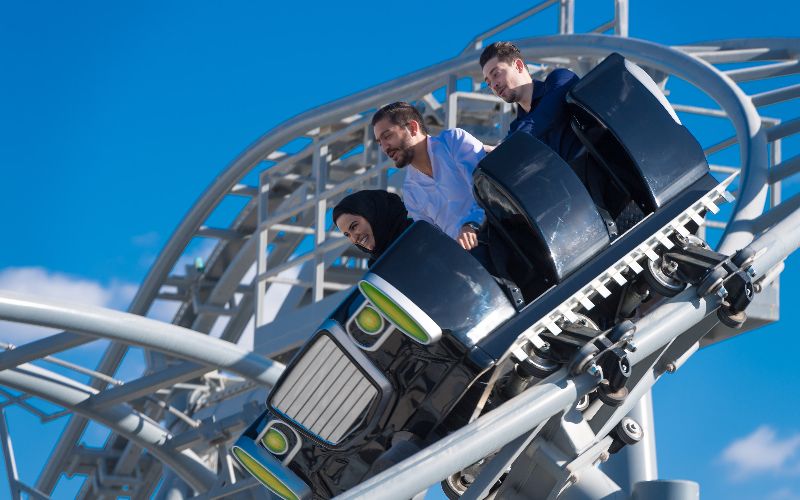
(467, 237)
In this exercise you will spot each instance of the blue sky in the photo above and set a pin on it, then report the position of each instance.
(115, 116)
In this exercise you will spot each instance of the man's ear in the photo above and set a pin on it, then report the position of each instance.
(413, 127)
(519, 65)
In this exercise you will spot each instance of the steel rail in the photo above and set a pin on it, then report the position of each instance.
(121, 419)
(140, 331)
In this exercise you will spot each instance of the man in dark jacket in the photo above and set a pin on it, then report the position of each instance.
(541, 111)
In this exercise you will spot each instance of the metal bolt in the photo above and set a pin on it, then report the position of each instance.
(751, 272)
(594, 370)
(671, 367)
(632, 429)
(546, 346)
(631, 347)
(722, 292)
(670, 267)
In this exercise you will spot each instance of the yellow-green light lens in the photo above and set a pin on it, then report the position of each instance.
(369, 320)
(395, 313)
(275, 441)
(262, 474)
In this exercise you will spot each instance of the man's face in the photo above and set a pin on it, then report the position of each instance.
(396, 141)
(505, 79)
(357, 229)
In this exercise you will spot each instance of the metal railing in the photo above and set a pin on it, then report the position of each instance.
(282, 224)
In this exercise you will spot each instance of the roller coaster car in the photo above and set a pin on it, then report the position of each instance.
(429, 339)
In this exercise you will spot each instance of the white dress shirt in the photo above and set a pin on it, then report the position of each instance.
(446, 199)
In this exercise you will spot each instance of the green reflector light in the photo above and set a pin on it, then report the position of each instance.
(275, 441)
(369, 320)
(263, 475)
(396, 315)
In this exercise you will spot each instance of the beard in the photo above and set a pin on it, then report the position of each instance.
(510, 95)
(404, 155)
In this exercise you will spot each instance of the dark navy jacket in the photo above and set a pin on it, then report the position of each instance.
(548, 119)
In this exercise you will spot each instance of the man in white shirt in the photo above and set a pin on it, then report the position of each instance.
(438, 187)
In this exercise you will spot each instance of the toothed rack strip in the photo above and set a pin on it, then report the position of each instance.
(582, 300)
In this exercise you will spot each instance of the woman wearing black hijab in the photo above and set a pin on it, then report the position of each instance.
(372, 220)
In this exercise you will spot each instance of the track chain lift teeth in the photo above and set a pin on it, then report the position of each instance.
(585, 298)
(715, 273)
(604, 354)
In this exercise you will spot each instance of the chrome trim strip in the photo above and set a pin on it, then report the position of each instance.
(284, 475)
(433, 330)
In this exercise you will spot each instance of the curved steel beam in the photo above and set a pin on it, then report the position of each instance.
(121, 419)
(140, 331)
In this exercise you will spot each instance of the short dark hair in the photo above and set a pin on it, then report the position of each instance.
(400, 113)
(505, 52)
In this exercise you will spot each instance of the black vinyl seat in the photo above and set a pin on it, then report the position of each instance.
(639, 154)
(546, 217)
(543, 224)
(421, 265)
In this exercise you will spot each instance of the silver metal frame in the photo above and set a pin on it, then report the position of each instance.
(280, 239)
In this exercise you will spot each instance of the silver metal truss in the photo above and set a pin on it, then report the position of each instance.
(277, 269)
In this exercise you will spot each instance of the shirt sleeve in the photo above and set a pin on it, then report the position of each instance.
(468, 151)
(414, 200)
(551, 106)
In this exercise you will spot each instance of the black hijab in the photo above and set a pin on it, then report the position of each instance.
(383, 210)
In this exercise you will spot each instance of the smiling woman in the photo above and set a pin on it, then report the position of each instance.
(372, 220)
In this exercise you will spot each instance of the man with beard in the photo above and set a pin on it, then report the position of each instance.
(438, 187)
(541, 109)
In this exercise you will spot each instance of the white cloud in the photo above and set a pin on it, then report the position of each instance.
(763, 452)
(45, 284)
(42, 283)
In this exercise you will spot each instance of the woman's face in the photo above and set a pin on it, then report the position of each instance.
(357, 229)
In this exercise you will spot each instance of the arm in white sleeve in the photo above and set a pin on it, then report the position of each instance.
(475, 215)
(468, 152)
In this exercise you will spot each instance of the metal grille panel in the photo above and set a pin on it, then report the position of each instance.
(325, 392)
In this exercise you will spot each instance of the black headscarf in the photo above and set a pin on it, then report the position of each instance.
(383, 210)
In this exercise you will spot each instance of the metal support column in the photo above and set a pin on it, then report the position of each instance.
(621, 17)
(320, 170)
(635, 463)
(566, 17)
(8, 457)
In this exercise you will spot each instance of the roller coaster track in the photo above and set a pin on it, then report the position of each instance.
(277, 267)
